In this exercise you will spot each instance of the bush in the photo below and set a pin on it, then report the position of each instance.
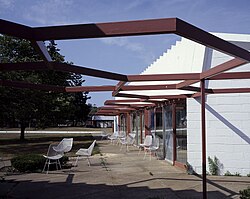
(245, 193)
(28, 163)
(214, 165)
(33, 162)
(231, 174)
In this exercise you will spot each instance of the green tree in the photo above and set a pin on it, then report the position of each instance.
(24, 106)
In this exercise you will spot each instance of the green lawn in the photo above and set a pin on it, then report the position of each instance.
(10, 145)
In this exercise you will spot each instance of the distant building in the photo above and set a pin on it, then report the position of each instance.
(98, 121)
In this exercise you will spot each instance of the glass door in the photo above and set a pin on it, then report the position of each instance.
(169, 133)
(181, 133)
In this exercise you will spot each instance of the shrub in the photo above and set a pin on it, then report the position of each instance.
(33, 162)
(248, 175)
(28, 163)
(228, 174)
(245, 193)
(231, 174)
(214, 165)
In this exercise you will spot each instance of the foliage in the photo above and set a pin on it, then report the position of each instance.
(248, 175)
(156, 197)
(23, 107)
(32, 162)
(228, 174)
(245, 193)
(28, 163)
(214, 166)
(231, 174)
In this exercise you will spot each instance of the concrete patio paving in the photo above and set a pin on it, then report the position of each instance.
(116, 174)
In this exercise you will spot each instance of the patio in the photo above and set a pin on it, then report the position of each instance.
(119, 174)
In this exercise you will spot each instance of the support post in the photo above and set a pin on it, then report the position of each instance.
(128, 118)
(203, 131)
(174, 130)
(141, 127)
(164, 130)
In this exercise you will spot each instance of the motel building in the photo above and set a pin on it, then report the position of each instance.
(177, 120)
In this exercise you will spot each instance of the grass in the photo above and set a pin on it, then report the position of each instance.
(57, 129)
(10, 145)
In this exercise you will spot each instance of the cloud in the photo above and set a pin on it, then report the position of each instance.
(6, 4)
(135, 47)
(51, 12)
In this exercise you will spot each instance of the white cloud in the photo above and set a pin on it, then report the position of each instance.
(6, 4)
(50, 12)
(135, 47)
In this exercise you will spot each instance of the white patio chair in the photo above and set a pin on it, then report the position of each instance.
(64, 146)
(153, 148)
(104, 135)
(128, 141)
(85, 153)
(121, 136)
(52, 157)
(113, 137)
(147, 143)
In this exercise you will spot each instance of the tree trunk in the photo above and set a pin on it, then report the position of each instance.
(23, 126)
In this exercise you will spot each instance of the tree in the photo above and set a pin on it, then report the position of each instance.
(24, 106)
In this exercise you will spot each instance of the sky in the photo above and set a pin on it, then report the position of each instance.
(125, 55)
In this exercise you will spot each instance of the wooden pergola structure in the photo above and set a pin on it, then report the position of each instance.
(37, 36)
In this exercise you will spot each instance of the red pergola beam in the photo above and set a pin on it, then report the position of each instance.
(21, 84)
(16, 30)
(222, 67)
(198, 35)
(132, 96)
(107, 102)
(112, 29)
(214, 73)
(118, 87)
(231, 75)
(87, 71)
(89, 89)
(164, 77)
(170, 96)
(230, 90)
(193, 88)
(64, 67)
(125, 28)
(148, 87)
(42, 51)
(118, 108)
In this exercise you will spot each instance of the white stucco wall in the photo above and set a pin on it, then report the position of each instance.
(227, 121)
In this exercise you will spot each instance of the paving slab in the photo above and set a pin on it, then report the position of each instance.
(119, 174)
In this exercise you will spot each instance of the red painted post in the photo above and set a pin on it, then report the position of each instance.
(147, 122)
(128, 123)
(141, 127)
(203, 130)
(174, 130)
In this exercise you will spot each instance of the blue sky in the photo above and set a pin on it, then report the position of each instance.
(127, 55)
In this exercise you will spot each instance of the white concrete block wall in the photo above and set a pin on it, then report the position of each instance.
(227, 124)
(228, 115)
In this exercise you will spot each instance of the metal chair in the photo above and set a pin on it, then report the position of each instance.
(52, 157)
(153, 148)
(85, 152)
(147, 143)
(128, 141)
(64, 146)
